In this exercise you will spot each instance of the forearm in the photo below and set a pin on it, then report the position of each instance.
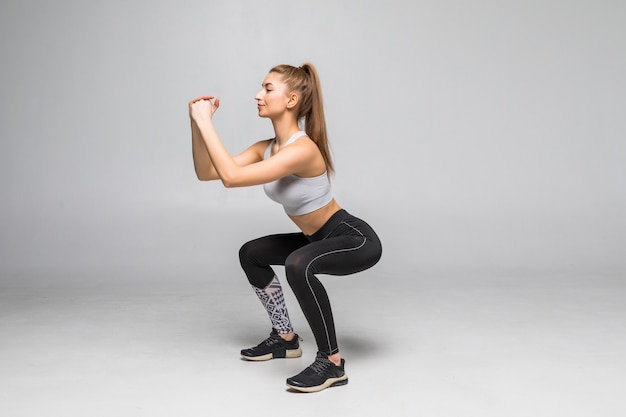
(222, 163)
(201, 159)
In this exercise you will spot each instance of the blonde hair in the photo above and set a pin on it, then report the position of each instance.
(305, 81)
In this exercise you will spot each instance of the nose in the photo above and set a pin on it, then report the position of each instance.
(257, 97)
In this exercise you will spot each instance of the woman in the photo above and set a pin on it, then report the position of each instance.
(294, 168)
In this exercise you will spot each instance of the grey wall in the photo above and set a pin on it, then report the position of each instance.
(474, 135)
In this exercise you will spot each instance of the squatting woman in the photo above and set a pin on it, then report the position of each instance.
(294, 168)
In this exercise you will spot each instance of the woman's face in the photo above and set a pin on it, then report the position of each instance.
(273, 98)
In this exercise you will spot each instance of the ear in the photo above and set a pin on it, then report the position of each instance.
(293, 100)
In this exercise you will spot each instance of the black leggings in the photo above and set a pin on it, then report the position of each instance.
(344, 245)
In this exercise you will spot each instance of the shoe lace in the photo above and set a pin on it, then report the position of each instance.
(321, 365)
(272, 340)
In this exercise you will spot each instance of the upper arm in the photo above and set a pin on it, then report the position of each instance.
(254, 153)
(290, 160)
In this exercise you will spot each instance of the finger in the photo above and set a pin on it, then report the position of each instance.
(202, 98)
(217, 103)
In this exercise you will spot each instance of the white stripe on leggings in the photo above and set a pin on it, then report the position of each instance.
(324, 254)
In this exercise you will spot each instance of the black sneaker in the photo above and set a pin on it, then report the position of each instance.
(321, 374)
(273, 347)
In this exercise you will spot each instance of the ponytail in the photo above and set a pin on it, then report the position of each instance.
(305, 81)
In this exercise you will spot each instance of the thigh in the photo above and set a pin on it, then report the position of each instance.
(341, 255)
(272, 249)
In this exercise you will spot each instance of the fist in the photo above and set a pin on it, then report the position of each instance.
(202, 108)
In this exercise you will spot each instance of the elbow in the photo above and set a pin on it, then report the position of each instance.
(202, 176)
(230, 178)
(228, 183)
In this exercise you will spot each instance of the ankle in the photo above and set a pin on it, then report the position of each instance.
(287, 336)
(336, 359)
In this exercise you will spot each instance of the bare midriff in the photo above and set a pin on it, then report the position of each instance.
(311, 222)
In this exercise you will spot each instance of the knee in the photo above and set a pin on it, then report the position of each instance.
(258, 272)
(246, 254)
(295, 270)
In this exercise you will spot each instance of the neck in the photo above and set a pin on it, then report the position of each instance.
(284, 129)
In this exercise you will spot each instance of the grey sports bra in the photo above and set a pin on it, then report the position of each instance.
(298, 195)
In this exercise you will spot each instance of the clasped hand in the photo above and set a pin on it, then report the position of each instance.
(201, 109)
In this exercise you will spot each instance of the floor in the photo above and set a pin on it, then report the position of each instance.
(133, 340)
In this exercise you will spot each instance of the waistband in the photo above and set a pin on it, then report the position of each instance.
(330, 225)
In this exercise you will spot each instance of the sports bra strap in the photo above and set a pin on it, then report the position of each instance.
(295, 136)
(292, 139)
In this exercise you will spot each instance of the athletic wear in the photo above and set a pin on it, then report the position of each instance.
(272, 348)
(343, 246)
(298, 195)
(321, 374)
(274, 302)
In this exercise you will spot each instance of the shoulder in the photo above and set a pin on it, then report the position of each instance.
(305, 143)
(309, 156)
(302, 148)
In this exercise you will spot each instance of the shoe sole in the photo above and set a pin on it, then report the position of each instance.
(290, 353)
(330, 382)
